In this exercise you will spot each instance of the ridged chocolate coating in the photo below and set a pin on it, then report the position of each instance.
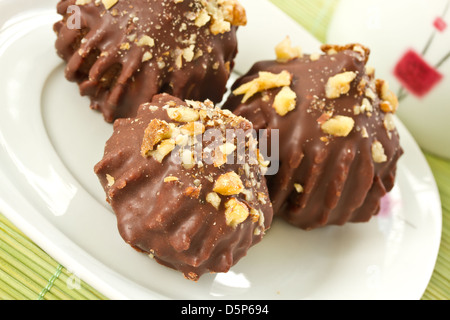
(119, 69)
(164, 208)
(325, 179)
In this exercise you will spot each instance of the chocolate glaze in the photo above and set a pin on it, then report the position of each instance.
(172, 220)
(341, 182)
(104, 58)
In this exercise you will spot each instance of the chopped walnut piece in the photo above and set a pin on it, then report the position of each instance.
(193, 192)
(125, 46)
(146, 41)
(315, 56)
(202, 18)
(109, 3)
(111, 180)
(193, 128)
(228, 184)
(227, 148)
(183, 114)
(364, 133)
(219, 158)
(187, 159)
(236, 212)
(82, 2)
(261, 160)
(163, 149)
(156, 131)
(233, 12)
(285, 52)
(255, 214)
(333, 49)
(338, 126)
(298, 187)
(222, 14)
(389, 99)
(285, 101)
(222, 152)
(389, 124)
(265, 81)
(213, 199)
(339, 84)
(378, 154)
(324, 117)
(147, 56)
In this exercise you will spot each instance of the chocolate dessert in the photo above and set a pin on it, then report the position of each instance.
(185, 180)
(123, 52)
(338, 146)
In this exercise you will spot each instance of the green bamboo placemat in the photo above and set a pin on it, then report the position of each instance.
(28, 273)
(439, 286)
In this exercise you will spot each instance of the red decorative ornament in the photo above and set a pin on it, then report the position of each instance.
(440, 24)
(416, 75)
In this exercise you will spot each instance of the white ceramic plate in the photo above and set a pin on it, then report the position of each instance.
(50, 141)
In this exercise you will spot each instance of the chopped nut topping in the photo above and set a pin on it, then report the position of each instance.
(188, 159)
(146, 41)
(125, 46)
(261, 160)
(223, 14)
(109, 3)
(202, 18)
(222, 152)
(285, 101)
(265, 81)
(164, 148)
(333, 49)
(227, 148)
(314, 56)
(219, 158)
(364, 133)
(147, 56)
(390, 100)
(236, 212)
(110, 180)
(170, 179)
(365, 107)
(378, 154)
(262, 197)
(229, 184)
(193, 128)
(285, 52)
(339, 126)
(213, 199)
(233, 12)
(183, 114)
(156, 131)
(298, 187)
(82, 2)
(389, 123)
(339, 84)
(255, 214)
(370, 71)
(193, 192)
(324, 117)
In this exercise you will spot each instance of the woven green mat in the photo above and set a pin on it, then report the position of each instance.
(28, 273)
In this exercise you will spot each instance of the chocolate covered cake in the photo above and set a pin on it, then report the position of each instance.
(123, 52)
(338, 146)
(185, 180)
